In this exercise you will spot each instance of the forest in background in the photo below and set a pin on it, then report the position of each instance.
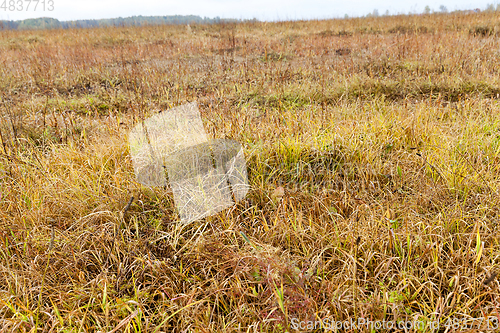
(52, 23)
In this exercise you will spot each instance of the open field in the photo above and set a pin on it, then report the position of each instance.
(373, 153)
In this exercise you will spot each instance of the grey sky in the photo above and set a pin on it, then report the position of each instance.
(260, 9)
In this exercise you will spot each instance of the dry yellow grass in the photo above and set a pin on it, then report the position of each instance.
(373, 149)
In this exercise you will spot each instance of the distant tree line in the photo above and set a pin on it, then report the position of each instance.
(51, 23)
(442, 9)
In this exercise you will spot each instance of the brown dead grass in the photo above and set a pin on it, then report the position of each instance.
(373, 154)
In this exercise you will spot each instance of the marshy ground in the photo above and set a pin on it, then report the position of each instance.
(373, 154)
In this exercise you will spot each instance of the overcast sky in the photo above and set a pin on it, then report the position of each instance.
(260, 9)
